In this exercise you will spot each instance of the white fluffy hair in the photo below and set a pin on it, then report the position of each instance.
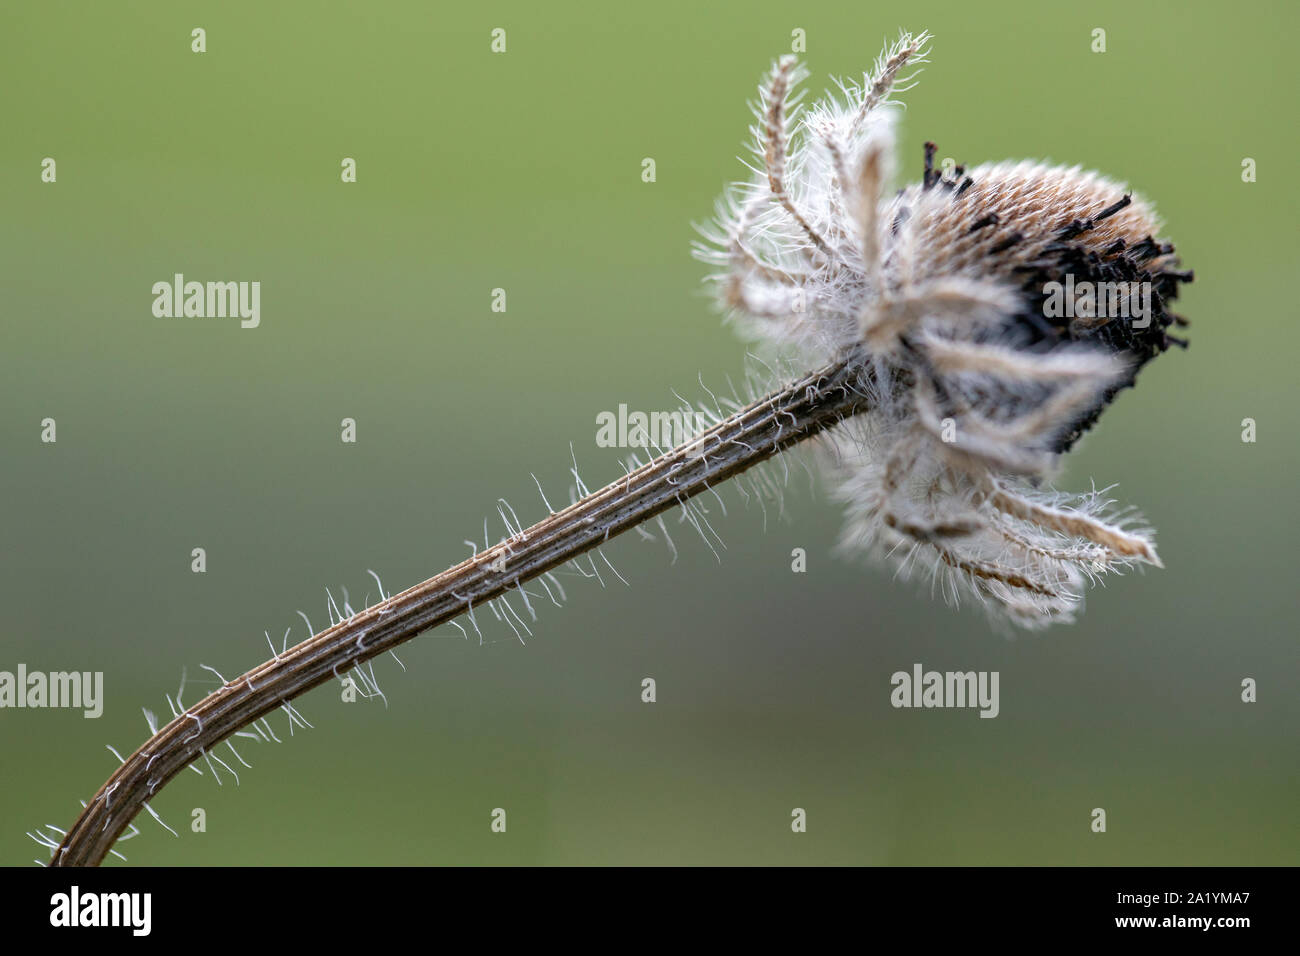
(932, 289)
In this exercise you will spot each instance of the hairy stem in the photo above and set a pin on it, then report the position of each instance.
(752, 435)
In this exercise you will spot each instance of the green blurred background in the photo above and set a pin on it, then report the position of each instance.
(523, 171)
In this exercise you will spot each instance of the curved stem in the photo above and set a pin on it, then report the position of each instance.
(752, 435)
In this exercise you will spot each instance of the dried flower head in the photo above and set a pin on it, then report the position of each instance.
(995, 313)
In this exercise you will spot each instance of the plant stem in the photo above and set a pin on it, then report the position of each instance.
(750, 436)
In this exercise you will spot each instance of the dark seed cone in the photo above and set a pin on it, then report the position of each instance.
(1050, 230)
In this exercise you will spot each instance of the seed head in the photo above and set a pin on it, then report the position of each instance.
(993, 313)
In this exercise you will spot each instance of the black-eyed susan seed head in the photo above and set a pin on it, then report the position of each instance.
(1080, 249)
(994, 313)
